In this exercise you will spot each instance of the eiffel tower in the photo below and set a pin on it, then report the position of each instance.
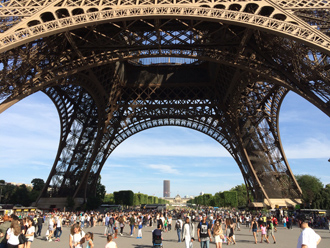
(114, 68)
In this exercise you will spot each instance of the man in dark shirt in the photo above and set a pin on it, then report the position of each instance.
(131, 224)
(40, 221)
(204, 232)
(157, 235)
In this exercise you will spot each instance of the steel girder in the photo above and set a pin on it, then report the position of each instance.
(242, 58)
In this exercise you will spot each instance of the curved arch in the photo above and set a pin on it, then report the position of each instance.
(266, 11)
(235, 7)
(62, 13)
(47, 17)
(251, 8)
(62, 70)
(305, 34)
(139, 126)
(33, 23)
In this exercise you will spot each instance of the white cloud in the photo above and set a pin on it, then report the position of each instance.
(310, 148)
(164, 169)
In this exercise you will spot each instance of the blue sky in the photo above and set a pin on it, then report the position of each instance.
(192, 161)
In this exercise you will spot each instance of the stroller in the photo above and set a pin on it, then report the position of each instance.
(157, 241)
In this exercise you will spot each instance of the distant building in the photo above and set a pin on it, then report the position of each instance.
(177, 201)
(201, 193)
(19, 184)
(167, 192)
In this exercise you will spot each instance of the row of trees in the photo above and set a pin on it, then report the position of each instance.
(23, 195)
(235, 197)
(129, 198)
(315, 194)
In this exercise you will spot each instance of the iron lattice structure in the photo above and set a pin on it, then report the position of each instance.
(117, 67)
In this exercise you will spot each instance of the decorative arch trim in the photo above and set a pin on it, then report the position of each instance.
(305, 34)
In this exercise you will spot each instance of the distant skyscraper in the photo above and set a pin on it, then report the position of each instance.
(167, 192)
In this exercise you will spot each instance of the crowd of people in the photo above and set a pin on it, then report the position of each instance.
(204, 226)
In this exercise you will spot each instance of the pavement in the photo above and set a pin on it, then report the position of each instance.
(285, 239)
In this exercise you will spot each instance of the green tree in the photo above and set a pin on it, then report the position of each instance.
(109, 198)
(21, 196)
(311, 187)
(241, 195)
(38, 184)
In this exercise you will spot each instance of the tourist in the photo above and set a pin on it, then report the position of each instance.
(263, 231)
(218, 233)
(89, 240)
(3, 229)
(58, 230)
(132, 223)
(231, 236)
(188, 233)
(169, 223)
(284, 221)
(110, 244)
(40, 221)
(29, 235)
(139, 235)
(254, 227)
(51, 223)
(308, 237)
(227, 226)
(106, 224)
(13, 234)
(178, 227)
(275, 222)
(76, 236)
(204, 232)
(270, 229)
(115, 226)
(121, 221)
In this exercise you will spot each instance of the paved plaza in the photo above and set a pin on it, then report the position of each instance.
(285, 239)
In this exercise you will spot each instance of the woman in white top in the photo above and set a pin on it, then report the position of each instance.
(51, 224)
(12, 235)
(29, 234)
(187, 234)
(76, 236)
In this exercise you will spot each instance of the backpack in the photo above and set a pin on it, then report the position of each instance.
(177, 224)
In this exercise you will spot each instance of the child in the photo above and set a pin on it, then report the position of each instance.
(110, 244)
(89, 240)
(263, 231)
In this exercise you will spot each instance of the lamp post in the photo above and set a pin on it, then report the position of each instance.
(1, 184)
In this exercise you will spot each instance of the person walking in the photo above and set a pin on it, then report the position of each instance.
(12, 235)
(110, 242)
(40, 221)
(58, 230)
(254, 227)
(188, 233)
(76, 236)
(169, 223)
(270, 229)
(131, 224)
(204, 232)
(178, 227)
(29, 235)
(308, 237)
(218, 234)
(139, 235)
